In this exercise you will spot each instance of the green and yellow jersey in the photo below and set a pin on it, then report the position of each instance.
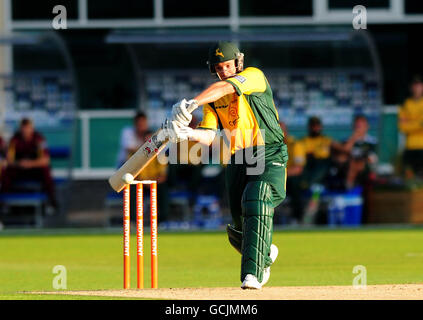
(410, 123)
(317, 147)
(296, 152)
(248, 117)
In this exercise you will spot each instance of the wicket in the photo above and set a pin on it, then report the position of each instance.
(140, 233)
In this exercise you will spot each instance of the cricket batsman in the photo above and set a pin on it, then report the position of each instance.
(241, 101)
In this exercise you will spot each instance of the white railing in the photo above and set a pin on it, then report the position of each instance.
(321, 14)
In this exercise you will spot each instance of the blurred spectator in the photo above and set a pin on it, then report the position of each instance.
(338, 171)
(318, 150)
(351, 166)
(297, 156)
(362, 147)
(131, 139)
(28, 159)
(295, 167)
(410, 123)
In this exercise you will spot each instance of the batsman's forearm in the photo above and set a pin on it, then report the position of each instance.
(214, 92)
(203, 136)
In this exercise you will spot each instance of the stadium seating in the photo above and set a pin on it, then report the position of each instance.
(297, 93)
(28, 194)
(39, 90)
(33, 199)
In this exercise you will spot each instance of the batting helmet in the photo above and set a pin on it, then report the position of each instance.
(224, 51)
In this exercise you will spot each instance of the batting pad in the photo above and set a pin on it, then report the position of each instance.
(257, 211)
(235, 237)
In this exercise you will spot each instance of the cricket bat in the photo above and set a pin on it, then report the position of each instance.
(140, 159)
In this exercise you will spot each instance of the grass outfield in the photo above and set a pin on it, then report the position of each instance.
(306, 258)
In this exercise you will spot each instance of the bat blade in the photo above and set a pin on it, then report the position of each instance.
(138, 161)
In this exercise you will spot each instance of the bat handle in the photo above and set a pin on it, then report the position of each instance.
(192, 107)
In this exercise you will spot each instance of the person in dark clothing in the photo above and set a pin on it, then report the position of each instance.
(28, 159)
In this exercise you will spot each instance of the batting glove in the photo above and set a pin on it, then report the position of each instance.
(184, 133)
(180, 113)
(174, 133)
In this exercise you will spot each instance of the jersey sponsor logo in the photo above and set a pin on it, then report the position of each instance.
(240, 79)
(219, 53)
(234, 122)
(221, 107)
(233, 115)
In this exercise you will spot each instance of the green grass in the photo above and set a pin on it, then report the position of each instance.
(306, 258)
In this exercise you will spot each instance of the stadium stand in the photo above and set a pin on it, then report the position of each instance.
(297, 93)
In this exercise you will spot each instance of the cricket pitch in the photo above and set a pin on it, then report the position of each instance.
(371, 292)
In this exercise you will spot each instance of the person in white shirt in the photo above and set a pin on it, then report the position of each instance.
(132, 138)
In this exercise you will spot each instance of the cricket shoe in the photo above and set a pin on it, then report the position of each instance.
(250, 282)
(273, 255)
